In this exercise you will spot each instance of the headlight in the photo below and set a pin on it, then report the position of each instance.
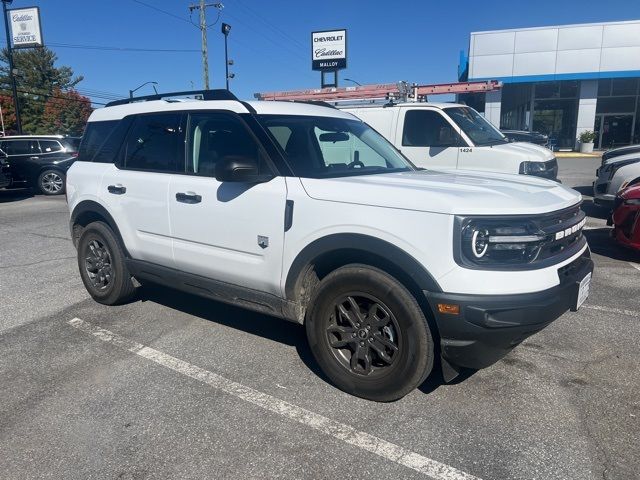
(531, 168)
(500, 242)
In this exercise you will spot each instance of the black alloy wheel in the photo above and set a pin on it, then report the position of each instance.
(368, 333)
(363, 333)
(97, 264)
(102, 265)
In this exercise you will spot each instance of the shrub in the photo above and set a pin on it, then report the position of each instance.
(588, 136)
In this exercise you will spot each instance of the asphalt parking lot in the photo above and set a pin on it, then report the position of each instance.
(174, 386)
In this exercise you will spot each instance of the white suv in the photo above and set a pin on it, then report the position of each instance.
(304, 212)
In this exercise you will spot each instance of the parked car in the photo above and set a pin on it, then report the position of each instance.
(40, 161)
(616, 152)
(452, 136)
(526, 136)
(626, 217)
(304, 212)
(615, 175)
(5, 173)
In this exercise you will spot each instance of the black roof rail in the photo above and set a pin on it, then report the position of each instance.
(219, 94)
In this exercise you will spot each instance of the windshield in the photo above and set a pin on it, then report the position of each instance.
(319, 147)
(480, 131)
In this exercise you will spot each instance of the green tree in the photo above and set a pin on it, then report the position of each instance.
(37, 78)
(66, 113)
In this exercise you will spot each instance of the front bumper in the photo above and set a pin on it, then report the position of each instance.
(490, 326)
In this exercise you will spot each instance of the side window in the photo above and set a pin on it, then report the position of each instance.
(427, 128)
(21, 147)
(94, 136)
(343, 148)
(154, 143)
(213, 136)
(48, 146)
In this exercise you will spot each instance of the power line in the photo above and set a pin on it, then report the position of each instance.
(123, 49)
(163, 11)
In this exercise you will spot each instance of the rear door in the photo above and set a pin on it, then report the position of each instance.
(428, 138)
(136, 189)
(229, 231)
(23, 155)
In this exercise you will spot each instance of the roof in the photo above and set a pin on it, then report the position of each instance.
(117, 112)
(404, 104)
(571, 25)
(33, 136)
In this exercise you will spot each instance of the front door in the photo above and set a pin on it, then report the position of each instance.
(613, 130)
(21, 155)
(428, 139)
(229, 231)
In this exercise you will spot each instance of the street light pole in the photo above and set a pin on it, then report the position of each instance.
(226, 28)
(138, 88)
(353, 81)
(12, 77)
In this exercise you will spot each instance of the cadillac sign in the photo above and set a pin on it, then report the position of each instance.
(25, 27)
(329, 50)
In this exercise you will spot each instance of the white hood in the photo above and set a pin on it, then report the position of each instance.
(623, 158)
(455, 192)
(525, 151)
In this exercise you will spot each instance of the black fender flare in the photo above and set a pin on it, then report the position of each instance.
(361, 243)
(96, 212)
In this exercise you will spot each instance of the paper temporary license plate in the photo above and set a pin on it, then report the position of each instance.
(583, 290)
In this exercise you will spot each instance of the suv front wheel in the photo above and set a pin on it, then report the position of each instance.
(102, 265)
(368, 334)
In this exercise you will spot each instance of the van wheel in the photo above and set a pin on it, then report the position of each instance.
(368, 334)
(102, 266)
(51, 182)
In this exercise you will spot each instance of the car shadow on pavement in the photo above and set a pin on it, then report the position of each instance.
(601, 243)
(265, 326)
(16, 195)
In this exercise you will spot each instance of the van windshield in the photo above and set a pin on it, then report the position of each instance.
(477, 128)
(320, 147)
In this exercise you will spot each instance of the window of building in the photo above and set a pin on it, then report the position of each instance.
(213, 136)
(154, 143)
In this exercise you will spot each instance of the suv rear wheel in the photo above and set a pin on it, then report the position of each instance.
(51, 182)
(368, 334)
(102, 265)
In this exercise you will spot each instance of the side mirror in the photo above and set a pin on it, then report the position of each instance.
(238, 168)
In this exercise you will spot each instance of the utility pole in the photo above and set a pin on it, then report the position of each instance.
(12, 77)
(203, 30)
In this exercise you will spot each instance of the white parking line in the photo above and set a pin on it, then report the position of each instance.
(346, 433)
(635, 265)
(630, 313)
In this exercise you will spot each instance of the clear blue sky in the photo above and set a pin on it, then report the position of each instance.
(269, 42)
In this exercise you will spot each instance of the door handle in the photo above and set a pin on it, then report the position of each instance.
(34, 158)
(188, 197)
(117, 189)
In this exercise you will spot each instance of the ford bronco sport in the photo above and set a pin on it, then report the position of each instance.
(304, 212)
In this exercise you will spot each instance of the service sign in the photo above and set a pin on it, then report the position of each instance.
(329, 50)
(25, 27)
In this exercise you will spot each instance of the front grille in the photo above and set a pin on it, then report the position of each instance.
(563, 224)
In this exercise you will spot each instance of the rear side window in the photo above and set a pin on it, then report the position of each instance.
(94, 137)
(20, 147)
(427, 128)
(48, 146)
(154, 143)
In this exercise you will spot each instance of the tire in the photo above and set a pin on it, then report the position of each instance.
(51, 182)
(102, 266)
(392, 346)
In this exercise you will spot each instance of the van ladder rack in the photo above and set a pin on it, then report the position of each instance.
(401, 91)
(218, 94)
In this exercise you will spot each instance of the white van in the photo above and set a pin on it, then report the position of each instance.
(453, 136)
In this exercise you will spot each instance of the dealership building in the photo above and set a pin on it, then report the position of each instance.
(560, 80)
